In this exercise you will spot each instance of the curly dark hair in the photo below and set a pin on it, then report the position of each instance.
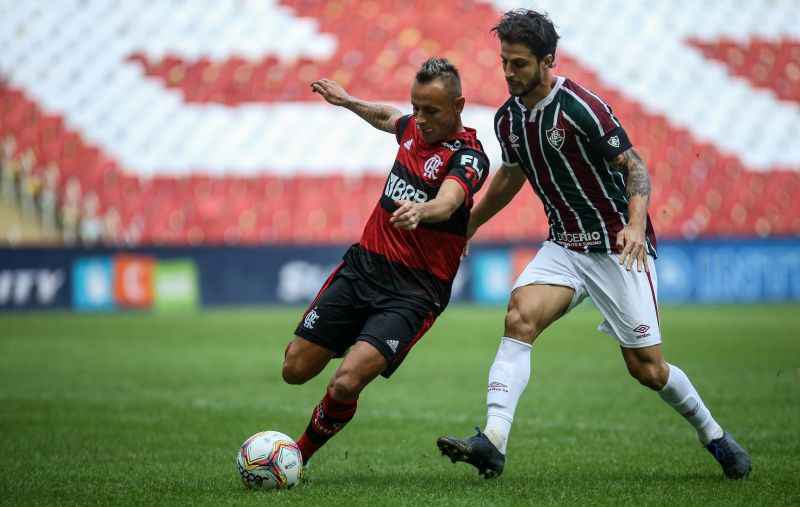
(531, 28)
(440, 68)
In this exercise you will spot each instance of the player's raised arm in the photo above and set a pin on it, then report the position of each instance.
(631, 240)
(380, 116)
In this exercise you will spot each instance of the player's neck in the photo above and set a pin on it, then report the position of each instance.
(459, 129)
(540, 92)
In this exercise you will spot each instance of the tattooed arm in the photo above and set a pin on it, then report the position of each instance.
(631, 241)
(380, 116)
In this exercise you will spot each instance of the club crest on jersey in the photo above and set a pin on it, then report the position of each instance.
(432, 166)
(555, 136)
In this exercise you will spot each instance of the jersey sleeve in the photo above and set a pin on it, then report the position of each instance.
(596, 123)
(400, 126)
(469, 168)
(508, 153)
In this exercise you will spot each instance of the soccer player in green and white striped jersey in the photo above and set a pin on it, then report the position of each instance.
(567, 144)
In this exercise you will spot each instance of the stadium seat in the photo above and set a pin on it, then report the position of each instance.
(159, 187)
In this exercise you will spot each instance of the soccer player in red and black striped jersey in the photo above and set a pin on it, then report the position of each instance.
(567, 144)
(394, 283)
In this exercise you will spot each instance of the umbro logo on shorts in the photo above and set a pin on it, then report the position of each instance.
(642, 331)
(393, 344)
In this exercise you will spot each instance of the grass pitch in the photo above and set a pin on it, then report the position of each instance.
(147, 409)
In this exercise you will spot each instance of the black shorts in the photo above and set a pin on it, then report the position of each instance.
(348, 309)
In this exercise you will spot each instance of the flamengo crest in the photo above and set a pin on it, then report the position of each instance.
(311, 319)
(555, 136)
(432, 166)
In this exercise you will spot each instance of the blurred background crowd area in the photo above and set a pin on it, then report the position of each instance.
(174, 123)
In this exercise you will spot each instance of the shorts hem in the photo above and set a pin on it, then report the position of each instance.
(317, 341)
(560, 282)
(638, 345)
(378, 344)
(578, 290)
(391, 366)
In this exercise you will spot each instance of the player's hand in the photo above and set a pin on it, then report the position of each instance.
(331, 91)
(632, 246)
(407, 216)
(471, 229)
(465, 252)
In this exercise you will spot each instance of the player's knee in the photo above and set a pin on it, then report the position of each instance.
(293, 371)
(650, 375)
(519, 325)
(292, 374)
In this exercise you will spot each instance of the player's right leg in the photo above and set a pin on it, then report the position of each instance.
(531, 309)
(545, 291)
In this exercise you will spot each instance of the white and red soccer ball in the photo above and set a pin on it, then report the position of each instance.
(269, 460)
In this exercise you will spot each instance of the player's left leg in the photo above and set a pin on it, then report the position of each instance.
(648, 367)
(673, 386)
(627, 300)
(360, 366)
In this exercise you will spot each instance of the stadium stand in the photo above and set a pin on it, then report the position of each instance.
(190, 122)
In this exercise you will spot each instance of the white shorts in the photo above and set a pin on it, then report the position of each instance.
(627, 299)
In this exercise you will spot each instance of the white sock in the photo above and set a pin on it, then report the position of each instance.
(507, 380)
(682, 396)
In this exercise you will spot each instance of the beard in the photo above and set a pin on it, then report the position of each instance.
(526, 88)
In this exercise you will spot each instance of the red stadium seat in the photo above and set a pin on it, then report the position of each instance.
(698, 189)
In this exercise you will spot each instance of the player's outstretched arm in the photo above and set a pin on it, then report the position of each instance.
(409, 214)
(504, 186)
(631, 241)
(380, 116)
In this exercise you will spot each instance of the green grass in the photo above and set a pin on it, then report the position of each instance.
(144, 409)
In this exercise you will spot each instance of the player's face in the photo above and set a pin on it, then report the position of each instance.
(523, 70)
(437, 112)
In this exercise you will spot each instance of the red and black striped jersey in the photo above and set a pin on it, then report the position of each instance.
(563, 145)
(421, 264)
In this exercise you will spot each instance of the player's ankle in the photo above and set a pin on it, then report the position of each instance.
(497, 430)
(709, 432)
(496, 439)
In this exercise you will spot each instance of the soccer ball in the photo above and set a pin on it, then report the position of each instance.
(269, 460)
